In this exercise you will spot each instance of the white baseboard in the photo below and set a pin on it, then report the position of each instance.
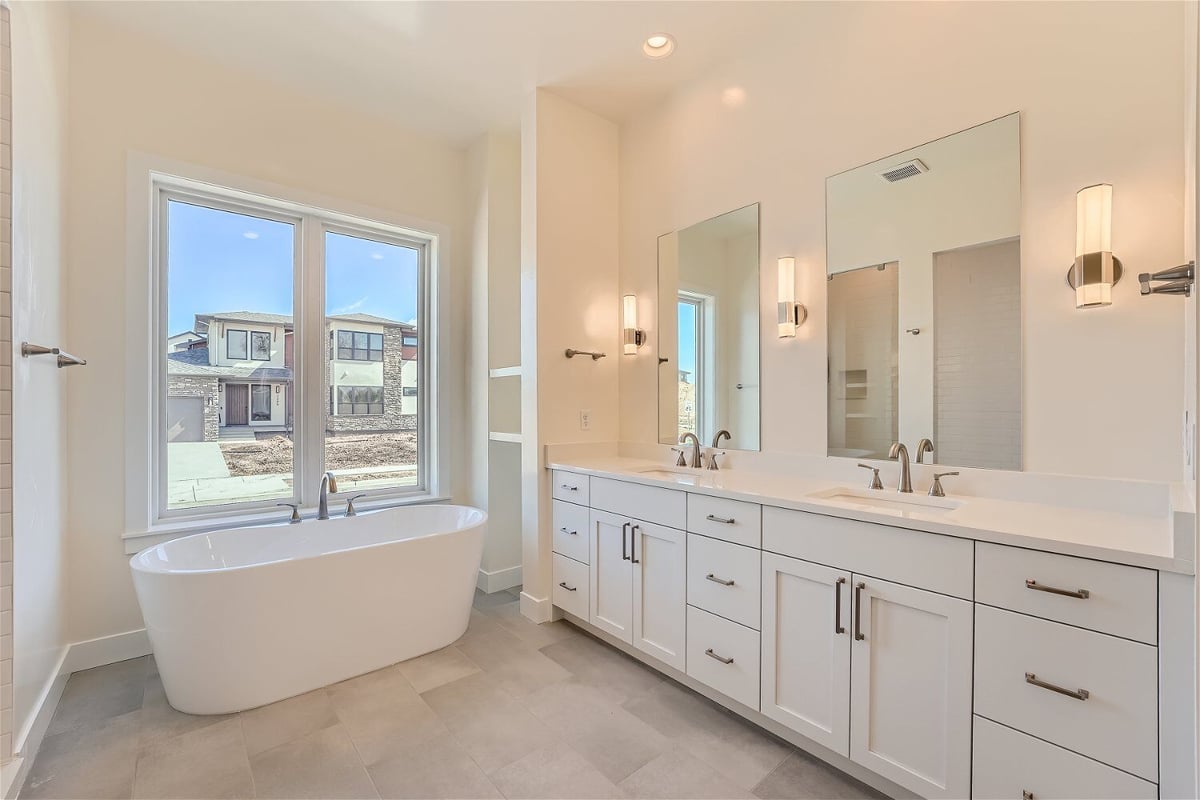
(106, 650)
(499, 580)
(537, 609)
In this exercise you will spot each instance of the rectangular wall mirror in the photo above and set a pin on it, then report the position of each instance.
(708, 343)
(924, 300)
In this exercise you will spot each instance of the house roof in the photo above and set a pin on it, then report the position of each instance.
(261, 318)
(194, 363)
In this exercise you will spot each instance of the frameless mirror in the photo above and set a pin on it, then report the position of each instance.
(924, 300)
(708, 362)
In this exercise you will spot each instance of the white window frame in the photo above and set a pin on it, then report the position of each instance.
(152, 184)
(702, 304)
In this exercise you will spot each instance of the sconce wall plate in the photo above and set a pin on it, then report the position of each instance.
(1092, 269)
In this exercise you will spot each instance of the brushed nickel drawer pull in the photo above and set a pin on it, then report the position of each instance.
(1076, 694)
(837, 606)
(715, 579)
(568, 588)
(709, 652)
(722, 520)
(568, 487)
(569, 533)
(1082, 594)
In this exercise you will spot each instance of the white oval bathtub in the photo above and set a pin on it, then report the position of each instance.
(243, 617)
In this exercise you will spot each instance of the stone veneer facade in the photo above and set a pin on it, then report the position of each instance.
(393, 395)
(206, 388)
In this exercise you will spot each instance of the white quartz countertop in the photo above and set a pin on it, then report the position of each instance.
(1144, 540)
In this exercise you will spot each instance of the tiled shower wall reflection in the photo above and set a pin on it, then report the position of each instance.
(6, 542)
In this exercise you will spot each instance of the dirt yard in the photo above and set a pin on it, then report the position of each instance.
(273, 455)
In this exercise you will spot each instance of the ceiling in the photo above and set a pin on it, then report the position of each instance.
(457, 69)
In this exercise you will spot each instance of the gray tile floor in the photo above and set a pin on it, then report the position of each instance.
(512, 710)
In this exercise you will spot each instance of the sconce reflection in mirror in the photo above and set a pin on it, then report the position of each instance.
(633, 336)
(1096, 270)
(791, 313)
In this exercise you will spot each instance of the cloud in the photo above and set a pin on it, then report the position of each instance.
(357, 304)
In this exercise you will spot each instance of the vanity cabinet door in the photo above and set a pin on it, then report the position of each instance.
(659, 557)
(910, 687)
(611, 607)
(806, 630)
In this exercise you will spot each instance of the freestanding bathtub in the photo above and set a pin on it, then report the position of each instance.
(244, 617)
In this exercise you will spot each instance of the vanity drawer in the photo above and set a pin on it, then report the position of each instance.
(649, 503)
(711, 640)
(571, 590)
(1117, 723)
(724, 579)
(731, 520)
(572, 533)
(942, 564)
(1119, 600)
(570, 487)
(1008, 764)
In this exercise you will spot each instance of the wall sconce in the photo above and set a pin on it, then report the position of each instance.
(634, 337)
(1096, 270)
(791, 313)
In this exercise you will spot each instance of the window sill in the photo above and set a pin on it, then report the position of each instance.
(137, 541)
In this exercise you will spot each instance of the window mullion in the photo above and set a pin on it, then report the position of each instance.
(310, 321)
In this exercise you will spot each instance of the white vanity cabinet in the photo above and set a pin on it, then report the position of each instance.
(638, 584)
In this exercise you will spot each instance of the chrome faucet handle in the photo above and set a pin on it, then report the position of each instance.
(295, 507)
(936, 489)
(682, 460)
(712, 460)
(350, 512)
(875, 482)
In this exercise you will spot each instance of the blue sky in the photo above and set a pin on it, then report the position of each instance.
(687, 339)
(221, 261)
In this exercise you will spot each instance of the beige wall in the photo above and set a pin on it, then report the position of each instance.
(40, 44)
(131, 94)
(878, 80)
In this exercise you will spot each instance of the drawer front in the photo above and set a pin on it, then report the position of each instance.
(1119, 600)
(1008, 764)
(571, 589)
(731, 520)
(649, 503)
(942, 564)
(1116, 724)
(724, 579)
(571, 487)
(572, 535)
(711, 640)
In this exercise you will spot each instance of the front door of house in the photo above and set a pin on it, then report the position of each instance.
(237, 404)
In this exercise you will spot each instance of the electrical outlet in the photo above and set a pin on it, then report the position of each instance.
(585, 420)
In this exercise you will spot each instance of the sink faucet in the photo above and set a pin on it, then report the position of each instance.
(328, 482)
(901, 452)
(924, 446)
(717, 439)
(697, 460)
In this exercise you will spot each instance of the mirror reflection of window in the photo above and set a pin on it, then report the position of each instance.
(691, 342)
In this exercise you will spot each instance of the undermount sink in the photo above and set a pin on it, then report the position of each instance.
(679, 475)
(889, 501)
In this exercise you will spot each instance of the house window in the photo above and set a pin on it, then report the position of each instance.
(410, 391)
(224, 249)
(260, 346)
(359, 346)
(260, 403)
(409, 340)
(235, 345)
(359, 400)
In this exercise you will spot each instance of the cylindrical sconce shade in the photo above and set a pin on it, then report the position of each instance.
(1095, 269)
(787, 297)
(632, 335)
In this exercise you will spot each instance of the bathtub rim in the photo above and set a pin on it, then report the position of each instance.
(136, 566)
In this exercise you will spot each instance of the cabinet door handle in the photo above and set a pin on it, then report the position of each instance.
(709, 652)
(1026, 795)
(858, 589)
(568, 487)
(625, 541)
(568, 588)
(633, 544)
(837, 606)
(569, 532)
(1074, 694)
(1082, 594)
(722, 520)
(715, 579)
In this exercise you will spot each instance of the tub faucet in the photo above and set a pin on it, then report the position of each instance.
(328, 482)
(697, 460)
(901, 452)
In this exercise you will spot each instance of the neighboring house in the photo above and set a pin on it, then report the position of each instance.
(238, 379)
(184, 341)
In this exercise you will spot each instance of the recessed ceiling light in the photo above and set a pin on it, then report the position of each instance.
(251, 234)
(659, 45)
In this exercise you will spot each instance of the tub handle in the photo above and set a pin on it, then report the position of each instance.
(568, 588)
(350, 512)
(295, 507)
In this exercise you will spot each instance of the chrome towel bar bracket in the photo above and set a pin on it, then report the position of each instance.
(64, 359)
